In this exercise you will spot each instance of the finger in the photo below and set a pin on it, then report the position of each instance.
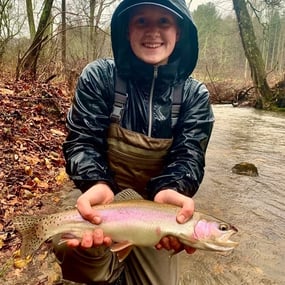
(98, 237)
(165, 243)
(175, 244)
(107, 241)
(72, 242)
(87, 240)
(190, 250)
(159, 246)
(86, 211)
(186, 212)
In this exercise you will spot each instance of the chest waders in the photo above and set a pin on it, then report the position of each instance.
(134, 157)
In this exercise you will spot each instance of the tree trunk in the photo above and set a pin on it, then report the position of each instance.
(63, 33)
(27, 65)
(29, 7)
(92, 28)
(252, 52)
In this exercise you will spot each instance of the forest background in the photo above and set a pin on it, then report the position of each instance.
(55, 39)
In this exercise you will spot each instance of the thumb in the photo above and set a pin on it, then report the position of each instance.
(84, 208)
(181, 218)
(186, 212)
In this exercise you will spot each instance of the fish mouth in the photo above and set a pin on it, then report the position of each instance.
(234, 229)
(221, 246)
(223, 243)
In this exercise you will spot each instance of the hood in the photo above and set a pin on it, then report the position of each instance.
(184, 57)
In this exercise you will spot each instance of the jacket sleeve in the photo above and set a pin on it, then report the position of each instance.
(185, 162)
(85, 148)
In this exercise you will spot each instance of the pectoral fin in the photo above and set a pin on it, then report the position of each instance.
(122, 249)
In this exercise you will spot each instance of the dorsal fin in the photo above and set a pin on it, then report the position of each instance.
(128, 194)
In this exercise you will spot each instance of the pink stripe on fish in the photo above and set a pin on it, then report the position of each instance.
(133, 214)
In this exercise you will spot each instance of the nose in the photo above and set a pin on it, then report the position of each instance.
(152, 29)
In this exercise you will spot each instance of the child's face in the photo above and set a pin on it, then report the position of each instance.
(153, 33)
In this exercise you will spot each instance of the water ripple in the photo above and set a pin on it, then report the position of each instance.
(255, 205)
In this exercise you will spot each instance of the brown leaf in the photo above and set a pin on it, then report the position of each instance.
(57, 132)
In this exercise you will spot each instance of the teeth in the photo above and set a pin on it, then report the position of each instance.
(152, 45)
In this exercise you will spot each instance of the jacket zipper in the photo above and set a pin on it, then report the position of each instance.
(155, 72)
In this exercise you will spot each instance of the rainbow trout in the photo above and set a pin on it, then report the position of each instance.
(129, 223)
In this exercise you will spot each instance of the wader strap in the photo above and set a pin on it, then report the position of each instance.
(177, 93)
(121, 96)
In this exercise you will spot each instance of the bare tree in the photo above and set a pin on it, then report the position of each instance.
(27, 65)
(10, 24)
(63, 33)
(31, 21)
(92, 22)
(252, 53)
(97, 21)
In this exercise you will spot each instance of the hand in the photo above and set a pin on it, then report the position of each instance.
(100, 193)
(170, 196)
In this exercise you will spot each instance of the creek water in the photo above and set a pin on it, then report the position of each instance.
(255, 205)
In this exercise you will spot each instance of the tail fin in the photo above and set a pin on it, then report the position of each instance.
(30, 228)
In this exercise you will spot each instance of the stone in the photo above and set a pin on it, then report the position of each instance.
(245, 168)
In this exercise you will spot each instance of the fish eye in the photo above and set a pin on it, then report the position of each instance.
(223, 227)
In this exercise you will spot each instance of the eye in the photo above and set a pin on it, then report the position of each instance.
(223, 227)
(140, 21)
(164, 21)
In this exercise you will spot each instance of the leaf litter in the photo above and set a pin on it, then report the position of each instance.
(32, 173)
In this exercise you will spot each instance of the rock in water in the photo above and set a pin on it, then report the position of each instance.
(245, 168)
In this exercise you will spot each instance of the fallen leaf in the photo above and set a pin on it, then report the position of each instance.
(61, 177)
(37, 180)
(48, 163)
(40, 183)
(28, 194)
(28, 170)
(22, 262)
(57, 132)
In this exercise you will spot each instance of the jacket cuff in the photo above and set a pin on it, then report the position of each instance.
(84, 185)
(179, 186)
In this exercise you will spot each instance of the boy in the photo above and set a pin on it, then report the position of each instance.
(133, 138)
